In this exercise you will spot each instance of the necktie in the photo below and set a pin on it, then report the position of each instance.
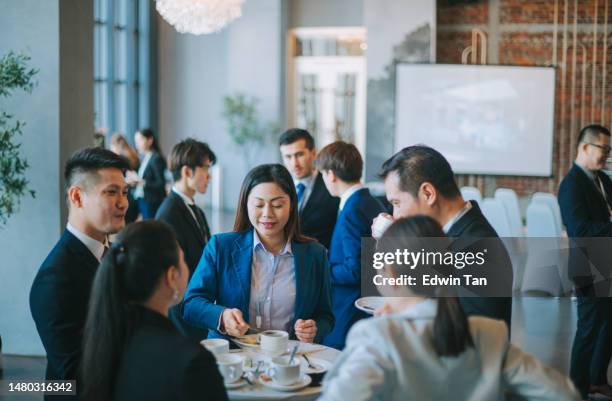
(300, 187)
(602, 191)
(200, 220)
(105, 251)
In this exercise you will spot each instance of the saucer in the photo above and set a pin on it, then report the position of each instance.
(370, 304)
(304, 381)
(320, 365)
(236, 384)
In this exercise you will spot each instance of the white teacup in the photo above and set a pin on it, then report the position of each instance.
(282, 373)
(274, 342)
(230, 366)
(216, 345)
(380, 225)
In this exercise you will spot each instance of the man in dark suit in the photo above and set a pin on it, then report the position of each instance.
(585, 200)
(190, 162)
(97, 201)
(419, 180)
(341, 166)
(318, 209)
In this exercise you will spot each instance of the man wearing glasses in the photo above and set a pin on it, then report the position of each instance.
(585, 199)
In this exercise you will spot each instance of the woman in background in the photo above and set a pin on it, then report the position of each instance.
(423, 349)
(131, 349)
(151, 189)
(120, 146)
(265, 274)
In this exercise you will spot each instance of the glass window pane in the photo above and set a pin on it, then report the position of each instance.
(120, 108)
(121, 55)
(120, 9)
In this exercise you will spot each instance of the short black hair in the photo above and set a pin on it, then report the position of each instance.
(590, 131)
(295, 134)
(343, 159)
(190, 153)
(418, 164)
(90, 160)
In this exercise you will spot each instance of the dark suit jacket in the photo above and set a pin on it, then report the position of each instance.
(155, 181)
(318, 216)
(585, 214)
(176, 213)
(158, 364)
(354, 222)
(466, 233)
(58, 302)
(223, 280)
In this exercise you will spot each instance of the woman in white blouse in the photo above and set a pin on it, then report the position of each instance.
(424, 349)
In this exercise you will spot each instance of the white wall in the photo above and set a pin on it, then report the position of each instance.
(33, 27)
(197, 71)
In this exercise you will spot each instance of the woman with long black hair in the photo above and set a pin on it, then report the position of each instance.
(426, 349)
(131, 349)
(151, 181)
(265, 274)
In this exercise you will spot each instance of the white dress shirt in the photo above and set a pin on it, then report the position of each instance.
(466, 208)
(392, 358)
(95, 247)
(309, 185)
(272, 300)
(348, 193)
(139, 191)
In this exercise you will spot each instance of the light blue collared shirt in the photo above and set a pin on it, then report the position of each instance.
(272, 300)
(309, 184)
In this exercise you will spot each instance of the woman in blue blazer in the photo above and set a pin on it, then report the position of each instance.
(265, 274)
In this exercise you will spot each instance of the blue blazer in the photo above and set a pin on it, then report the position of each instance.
(222, 280)
(353, 223)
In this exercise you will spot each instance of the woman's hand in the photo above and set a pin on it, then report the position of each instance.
(306, 330)
(233, 322)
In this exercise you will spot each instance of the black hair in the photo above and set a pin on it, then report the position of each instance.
(190, 153)
(592, 130)
(278, 174)
(129, 274)
(148, 133)
(295, 134)
(418, 164)
(451, 331)
(90, 160)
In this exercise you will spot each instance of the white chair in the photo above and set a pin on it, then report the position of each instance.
(545, 260)
(495, 212)
(510, 201)
(471, 193)
(553, 203)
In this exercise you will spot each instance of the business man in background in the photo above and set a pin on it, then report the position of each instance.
(317, 208)
(585, 200)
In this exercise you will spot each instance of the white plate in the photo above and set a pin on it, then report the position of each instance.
(243, 344)
(370, 304)
(236, 384)
(321, 365)
(304, 381)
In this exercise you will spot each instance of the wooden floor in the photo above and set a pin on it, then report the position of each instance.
(542, 326)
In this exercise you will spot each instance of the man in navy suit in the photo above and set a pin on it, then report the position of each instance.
(97, 201)
(585, 200)
(190, 162)
(317, 208)
(419, 180)
(341, 165)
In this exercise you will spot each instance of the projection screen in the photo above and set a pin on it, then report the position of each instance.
(495, 120)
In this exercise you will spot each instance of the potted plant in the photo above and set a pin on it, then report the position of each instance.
(14, 75)
(245, 128)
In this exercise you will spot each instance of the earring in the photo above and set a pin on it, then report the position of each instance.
(176, 295)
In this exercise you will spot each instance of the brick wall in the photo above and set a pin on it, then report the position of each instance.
(523, 32)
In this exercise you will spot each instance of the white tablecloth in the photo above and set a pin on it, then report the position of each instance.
(259, 392)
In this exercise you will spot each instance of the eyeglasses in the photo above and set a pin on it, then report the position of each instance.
(605, 148)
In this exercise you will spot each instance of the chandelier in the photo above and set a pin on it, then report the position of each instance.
(199, 16)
